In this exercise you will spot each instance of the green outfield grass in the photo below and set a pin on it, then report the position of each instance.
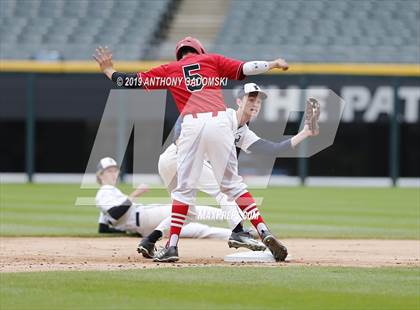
(215, 288)
(49, 210)
(292, 212)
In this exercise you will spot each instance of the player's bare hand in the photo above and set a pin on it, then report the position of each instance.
(140, 190)
(143, 187)
(281, 64)
(103, 57)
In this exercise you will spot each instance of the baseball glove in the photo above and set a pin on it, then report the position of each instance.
(312, 111)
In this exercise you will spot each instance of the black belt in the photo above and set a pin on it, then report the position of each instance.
(138, 219)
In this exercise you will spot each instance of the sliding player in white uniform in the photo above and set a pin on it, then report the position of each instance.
(119, 212)
(249, 101)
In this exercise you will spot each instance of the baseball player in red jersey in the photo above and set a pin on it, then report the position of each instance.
(195, 80)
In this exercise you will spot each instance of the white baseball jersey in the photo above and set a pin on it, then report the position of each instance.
(244, 137)
(144, 219)
(109, 196)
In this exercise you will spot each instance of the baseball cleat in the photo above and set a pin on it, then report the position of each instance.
(254, 234)
(278, 250)
(244, 239)
(146, 248)
(167, 255)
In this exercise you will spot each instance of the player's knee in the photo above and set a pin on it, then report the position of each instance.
(233, 192)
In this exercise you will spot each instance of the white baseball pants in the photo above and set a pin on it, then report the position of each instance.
(159, 217)
(205, 136)
(207, 183)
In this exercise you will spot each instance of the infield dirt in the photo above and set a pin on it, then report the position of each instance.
(23, 254)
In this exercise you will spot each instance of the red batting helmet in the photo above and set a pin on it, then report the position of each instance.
(189, 42)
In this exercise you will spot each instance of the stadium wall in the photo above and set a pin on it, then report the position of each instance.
(50, 113)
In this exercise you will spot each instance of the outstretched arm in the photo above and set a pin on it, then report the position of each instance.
(259, 67)
(140, 190)
(310, 129)
(267, 147)
(103, 57)
(302, 135)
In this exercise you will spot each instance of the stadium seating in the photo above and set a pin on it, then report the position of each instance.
(48, 29)
(322, 30)
(298, 30)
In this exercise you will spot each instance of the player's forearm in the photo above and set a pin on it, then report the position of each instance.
(109, 72)
(298, 138)
(132, 197)
(140, 190)
(272, 64)
(126, 80)
(266, 147)
(259, 67)
(255, 67)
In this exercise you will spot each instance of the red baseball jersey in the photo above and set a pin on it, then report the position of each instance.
(195, 81)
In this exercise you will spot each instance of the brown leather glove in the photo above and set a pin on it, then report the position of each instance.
(312, 111)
